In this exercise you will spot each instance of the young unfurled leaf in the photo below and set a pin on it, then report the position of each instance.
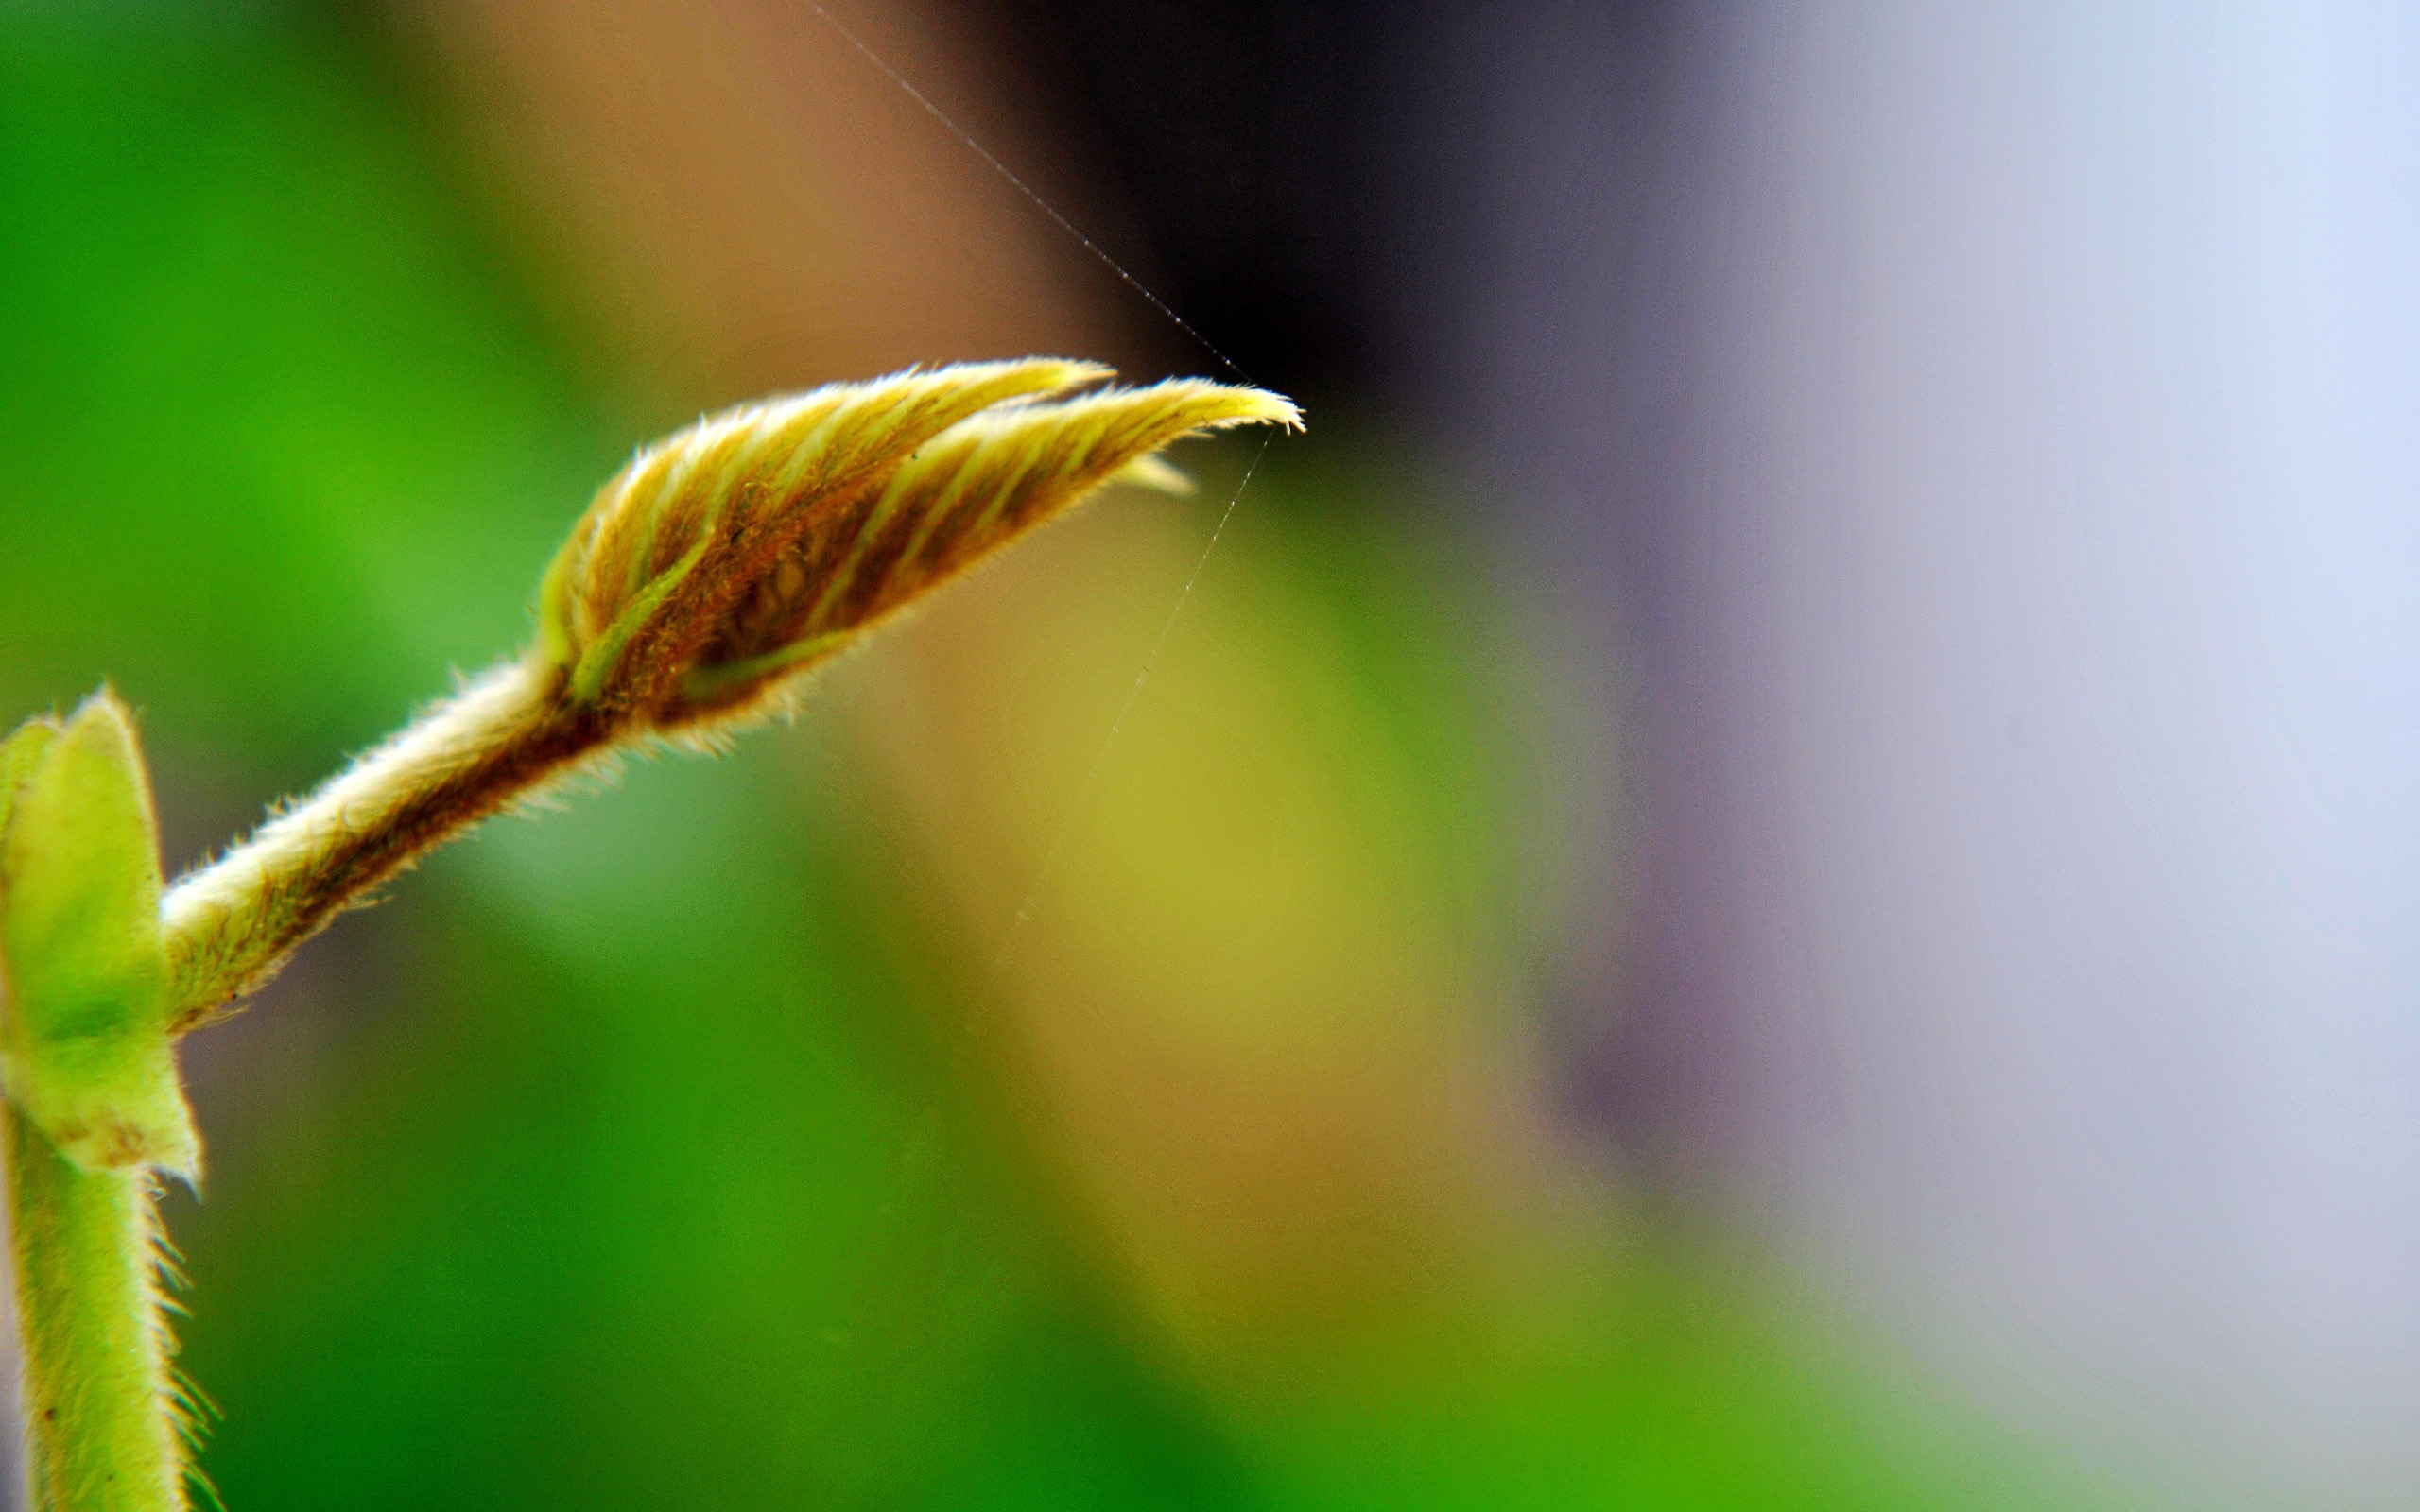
(733, 554)
(84, 1045)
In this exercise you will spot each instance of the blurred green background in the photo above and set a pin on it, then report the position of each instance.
(717, 1141)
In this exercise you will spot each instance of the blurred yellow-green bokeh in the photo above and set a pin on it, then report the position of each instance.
(933, 1104)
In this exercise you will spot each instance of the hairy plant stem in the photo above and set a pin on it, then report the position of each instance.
(102, 1415)
(231, 924)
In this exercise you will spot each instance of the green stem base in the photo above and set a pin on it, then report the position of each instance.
(101, 1413)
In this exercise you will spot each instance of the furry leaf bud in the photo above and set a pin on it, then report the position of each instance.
(758, 542)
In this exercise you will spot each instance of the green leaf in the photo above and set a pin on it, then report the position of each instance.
(84, 1047)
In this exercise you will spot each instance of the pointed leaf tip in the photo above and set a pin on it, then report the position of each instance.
(954, 500)
(1157, 473)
